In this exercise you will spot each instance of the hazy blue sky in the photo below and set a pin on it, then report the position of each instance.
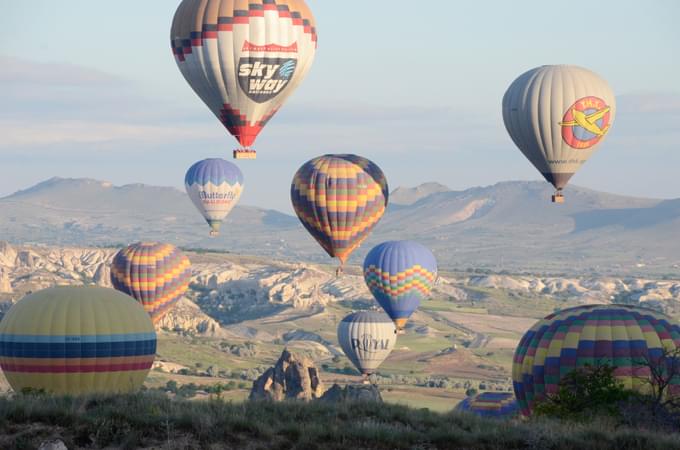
(90, 89)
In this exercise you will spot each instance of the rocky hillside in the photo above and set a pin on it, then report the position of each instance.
(227, 290)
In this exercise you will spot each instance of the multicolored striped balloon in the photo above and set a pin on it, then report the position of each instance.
(491, 404)
(339, 199)
(400, 274)
(156, 275)
(214, 186)
(77, 340)
(244, 58)
(616, 335)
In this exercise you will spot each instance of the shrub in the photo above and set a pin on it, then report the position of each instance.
(470, 392)
(584, 393)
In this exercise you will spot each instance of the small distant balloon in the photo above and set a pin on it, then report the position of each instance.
(156, 275)
(491, 404)
(215, 187)
(367, 338)
(558, 116)
(400, 275)
(339, 199)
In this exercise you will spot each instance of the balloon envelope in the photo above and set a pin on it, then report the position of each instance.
(77, 340)
(490, 404)
(156, 275)
(557, 116)
(244, 59)
(615, 335)
(214, 186)
(400, 274)
(367, 338)
(339, 199)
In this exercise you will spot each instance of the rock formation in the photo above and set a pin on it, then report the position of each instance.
(357, 393)
(293, 377)
(8, 255)
(5, 283)
(187, 316)
(53, 444)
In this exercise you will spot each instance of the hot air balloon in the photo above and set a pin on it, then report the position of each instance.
(400, 274)
(156, 275)
(367, 338)
(339, 199)
(244, 58)
(214, 186)
(77, 340)
(557, 116)
(616, 335)
(490, 404)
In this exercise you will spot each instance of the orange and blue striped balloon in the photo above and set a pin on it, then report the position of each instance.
(491, 404)
(400, 275)
(156, 275)
(77, 340)
(339, 199)
(620, 336)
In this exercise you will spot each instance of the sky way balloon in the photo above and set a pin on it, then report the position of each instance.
(244, 58)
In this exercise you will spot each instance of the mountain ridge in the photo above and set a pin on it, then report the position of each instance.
(508, 225)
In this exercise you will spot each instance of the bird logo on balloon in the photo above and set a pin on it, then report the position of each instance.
(585, 122)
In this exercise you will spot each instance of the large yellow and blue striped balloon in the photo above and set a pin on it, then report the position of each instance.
(400, 275)
(339, 199)
(156, 275)
(622, 337)
(77, 340)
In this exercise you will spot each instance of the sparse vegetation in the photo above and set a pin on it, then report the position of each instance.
(593, 392)
(153, 420)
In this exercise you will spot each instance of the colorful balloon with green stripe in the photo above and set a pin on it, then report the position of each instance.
(623, 337)
(77, 340)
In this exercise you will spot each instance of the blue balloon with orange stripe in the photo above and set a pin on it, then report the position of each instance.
(77, 340)
(400, 275)
(156, 275)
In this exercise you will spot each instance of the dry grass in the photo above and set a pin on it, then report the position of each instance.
(154, 421)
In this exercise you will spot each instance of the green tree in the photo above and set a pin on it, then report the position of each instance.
(171, 386)
(583, 393)
(470, 392)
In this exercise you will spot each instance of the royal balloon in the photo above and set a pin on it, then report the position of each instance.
(557, 116)
(244, 59)
(214, 186)
(367, 338)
